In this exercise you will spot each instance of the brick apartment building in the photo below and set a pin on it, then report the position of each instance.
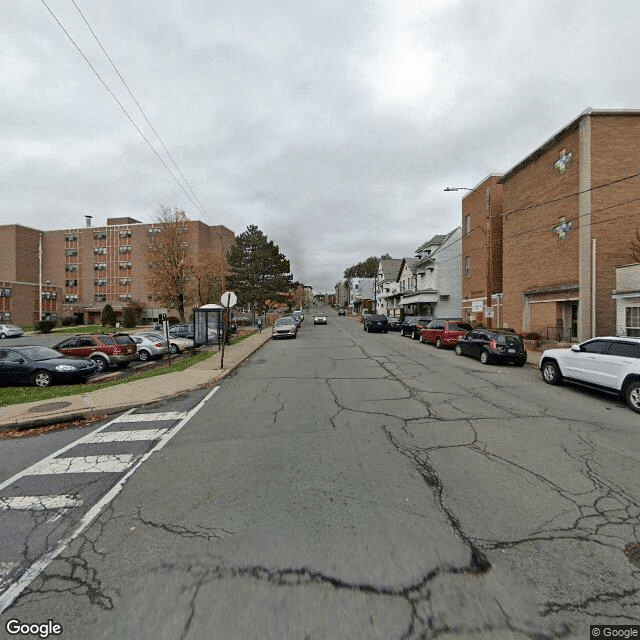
(570, 209)
(482, 295)
(85, 268)
(559, 223)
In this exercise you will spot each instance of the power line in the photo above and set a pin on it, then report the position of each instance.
(119, 104)
(144, 115)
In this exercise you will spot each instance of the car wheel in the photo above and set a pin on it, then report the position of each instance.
(101, 364)
(42, 379)
(143, 355)
(3, 336)
(632, 395)
(402, 332)
(173, 348)
(421, 339)
(415, 335)
(484, 357)
(458, 350)
(551, 372)
(438, 343)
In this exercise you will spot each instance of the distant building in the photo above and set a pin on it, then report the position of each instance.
(361, 295)
(85, 268)
(386, 285)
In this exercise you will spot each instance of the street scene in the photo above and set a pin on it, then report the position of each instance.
(319, 320)
(345, 485)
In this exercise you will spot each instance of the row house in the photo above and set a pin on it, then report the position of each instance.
(544, 243)
(361, 295)
(386, 285)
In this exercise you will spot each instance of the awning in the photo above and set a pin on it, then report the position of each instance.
(421, 296)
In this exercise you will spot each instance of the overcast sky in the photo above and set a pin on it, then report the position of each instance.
(332, 125)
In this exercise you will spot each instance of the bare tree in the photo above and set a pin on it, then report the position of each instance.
(169, 259)
(207, 277)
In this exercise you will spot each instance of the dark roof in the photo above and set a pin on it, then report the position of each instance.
(439, 239)
(390, 268)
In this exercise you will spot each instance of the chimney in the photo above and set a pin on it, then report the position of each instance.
(88, 220)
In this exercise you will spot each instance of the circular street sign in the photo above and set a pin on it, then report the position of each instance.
(228, 299)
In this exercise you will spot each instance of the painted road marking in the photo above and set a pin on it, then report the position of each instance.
(128, 436)
(84, 464)
(152, 417)
(5, 570)
(39, 502)
(18, 586)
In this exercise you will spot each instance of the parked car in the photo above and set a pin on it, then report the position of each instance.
(376, 323)
(242, 321)
(182, 331)
(10, 331)
(150, 345)
(42, 367)
(342, 312)
(611, 364)
(492, 345)
(444, 333)
(394, 323)
(364, 316)
(176, 345)
(285, 327)
(320, 318)
(103, 348)
(412, 326)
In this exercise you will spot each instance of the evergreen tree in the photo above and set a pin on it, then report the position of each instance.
(257, 270)
(109, 316)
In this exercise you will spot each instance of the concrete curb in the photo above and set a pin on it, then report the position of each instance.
(93, 411)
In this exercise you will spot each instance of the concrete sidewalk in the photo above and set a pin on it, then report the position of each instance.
(136, 393)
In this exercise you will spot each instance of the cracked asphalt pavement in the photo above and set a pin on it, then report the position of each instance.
(346, 485)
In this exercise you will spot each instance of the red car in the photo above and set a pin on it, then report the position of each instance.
(444, 333)
(103, 348)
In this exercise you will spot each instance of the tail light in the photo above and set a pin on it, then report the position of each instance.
(493, 344)
(158, 344)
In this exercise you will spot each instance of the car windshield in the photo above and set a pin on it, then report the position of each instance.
(459, 326)
(283, 321)
(39, 353)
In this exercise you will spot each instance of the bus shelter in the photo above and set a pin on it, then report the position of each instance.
(208, 324)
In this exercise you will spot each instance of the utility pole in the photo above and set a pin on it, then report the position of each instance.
(40, 277)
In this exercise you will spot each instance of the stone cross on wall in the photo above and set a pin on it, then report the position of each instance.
(561, 163)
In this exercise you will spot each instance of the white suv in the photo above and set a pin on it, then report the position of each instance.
(611, 364)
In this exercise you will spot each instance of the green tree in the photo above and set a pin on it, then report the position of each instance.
(109, 316)
(257, 270)
(366, 269)
(131, 314)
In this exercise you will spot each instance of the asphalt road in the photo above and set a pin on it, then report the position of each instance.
(340, 485)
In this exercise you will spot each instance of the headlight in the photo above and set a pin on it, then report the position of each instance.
(65, 367)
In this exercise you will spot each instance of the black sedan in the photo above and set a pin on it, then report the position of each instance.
(42, 367)
(492, 345)
(376, 323)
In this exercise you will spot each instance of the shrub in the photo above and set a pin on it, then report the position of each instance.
(109, 316)
(68, 321)
(129, 318)
(44, 326)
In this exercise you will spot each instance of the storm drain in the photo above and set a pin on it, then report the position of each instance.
(632, 551)
(51, 406)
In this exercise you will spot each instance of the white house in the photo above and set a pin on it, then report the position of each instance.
(436, 289)
(627, 297)
(386, 285)
(361, 294)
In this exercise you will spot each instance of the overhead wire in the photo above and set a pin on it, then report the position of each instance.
(144, 115)
(126, 113)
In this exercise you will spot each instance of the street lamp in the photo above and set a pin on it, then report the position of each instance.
(487, 234)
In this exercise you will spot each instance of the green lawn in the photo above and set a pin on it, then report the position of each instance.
(16, 395)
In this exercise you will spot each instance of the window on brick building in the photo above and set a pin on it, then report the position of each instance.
(100, 282)
(632, 321)
(100, 297)
(71, 237)
(100, 266)
(101, 251)
(125, 233)
(125, 249)
(125, 265)
(467, 266)
(99, 235)
(70, 252)
(125, 297)
(467, 224)
(70, 267)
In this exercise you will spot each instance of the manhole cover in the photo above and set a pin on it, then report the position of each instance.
(632, 551)
(51, 406)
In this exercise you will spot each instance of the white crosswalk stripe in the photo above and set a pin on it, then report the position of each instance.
(151, 417)
(39, 502)
(84, 464)
(127, 436)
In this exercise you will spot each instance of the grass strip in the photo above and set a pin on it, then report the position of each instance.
(17, 395)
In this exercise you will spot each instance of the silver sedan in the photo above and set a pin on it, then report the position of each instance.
(150, 345)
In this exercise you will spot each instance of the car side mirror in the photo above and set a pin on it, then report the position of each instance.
(576, 347)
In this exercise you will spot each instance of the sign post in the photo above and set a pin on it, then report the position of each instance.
(228, 300)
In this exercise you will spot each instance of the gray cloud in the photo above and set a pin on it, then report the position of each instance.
(332, 126)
